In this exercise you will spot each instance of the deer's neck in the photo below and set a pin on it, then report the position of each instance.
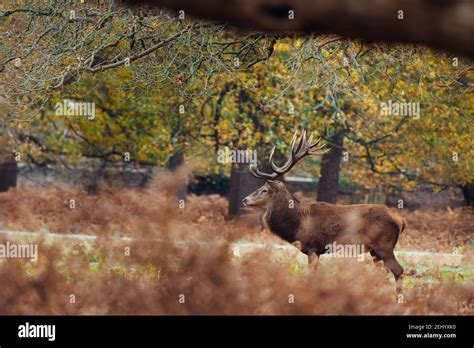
(282, 217)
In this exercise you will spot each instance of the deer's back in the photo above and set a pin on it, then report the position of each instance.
(369, 224)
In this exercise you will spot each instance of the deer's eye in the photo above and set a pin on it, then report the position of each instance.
(264, 191)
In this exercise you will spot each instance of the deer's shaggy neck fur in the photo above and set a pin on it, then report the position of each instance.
(282, 215)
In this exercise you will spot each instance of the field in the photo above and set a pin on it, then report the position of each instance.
(152, 257)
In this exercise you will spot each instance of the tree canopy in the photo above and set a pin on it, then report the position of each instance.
(163, 83)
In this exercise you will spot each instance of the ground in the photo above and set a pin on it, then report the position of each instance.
(183, 260)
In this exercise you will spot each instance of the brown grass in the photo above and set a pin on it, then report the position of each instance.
(442, 230)
(152, 278)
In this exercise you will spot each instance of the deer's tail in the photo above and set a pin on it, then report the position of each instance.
(399, 221)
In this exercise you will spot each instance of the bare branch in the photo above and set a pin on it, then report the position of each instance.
(441, 24)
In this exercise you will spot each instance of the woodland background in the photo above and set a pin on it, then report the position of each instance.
(168, 88)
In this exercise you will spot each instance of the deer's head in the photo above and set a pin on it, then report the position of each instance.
(272, 188)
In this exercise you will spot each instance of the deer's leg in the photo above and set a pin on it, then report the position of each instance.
(313, 260)
(375, 256)
(392, 264)
(399, 287)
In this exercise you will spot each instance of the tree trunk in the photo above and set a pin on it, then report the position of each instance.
(468, 192)
(8, 175)
(242, 183)
(329, 179)
(174, 162)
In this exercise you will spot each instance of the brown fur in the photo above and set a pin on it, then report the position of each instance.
(314, 225)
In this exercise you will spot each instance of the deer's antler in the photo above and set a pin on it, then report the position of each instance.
(303, 149)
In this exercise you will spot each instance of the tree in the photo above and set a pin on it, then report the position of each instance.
(78, 44)
(345, 93)
(167, 88)
(330, 168)
(8, 166)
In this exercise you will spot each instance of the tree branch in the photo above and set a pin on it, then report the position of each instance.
(440, 24)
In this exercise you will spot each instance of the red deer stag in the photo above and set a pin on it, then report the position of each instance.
(313, 226)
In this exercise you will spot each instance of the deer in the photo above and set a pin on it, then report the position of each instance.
(313, 226)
